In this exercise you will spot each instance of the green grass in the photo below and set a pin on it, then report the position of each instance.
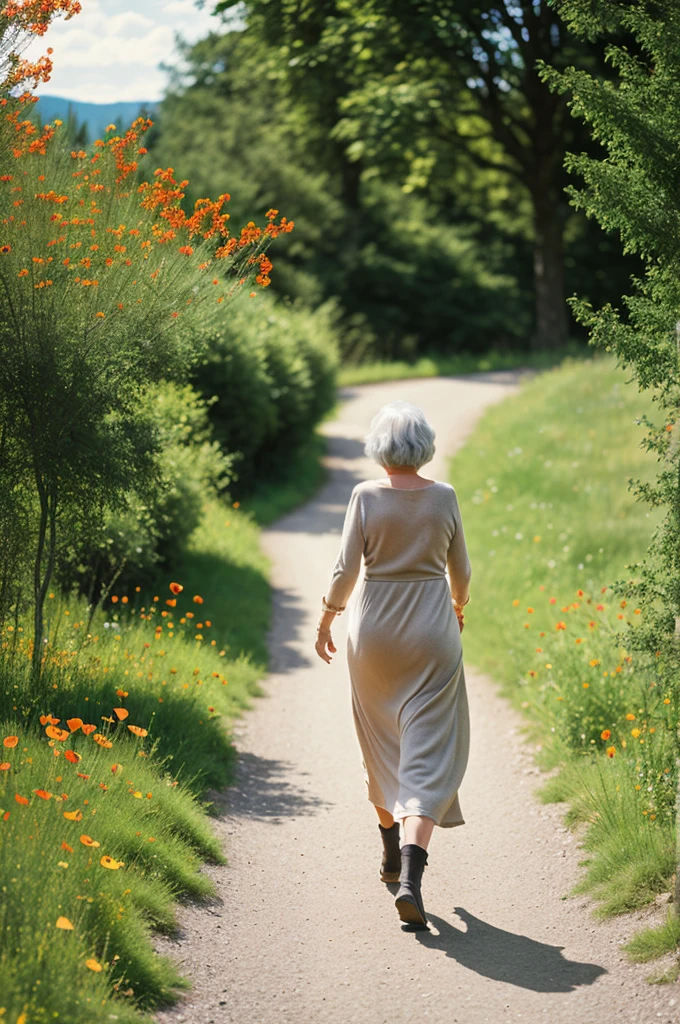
(550, 524)
(183, 683)
(437, 365)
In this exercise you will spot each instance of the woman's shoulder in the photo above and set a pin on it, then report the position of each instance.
(377, 485)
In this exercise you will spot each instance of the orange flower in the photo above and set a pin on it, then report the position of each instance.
(43, 794)
(49, 720)
(65, 846)
(197, 599)
(73, 815)
(56, 734)
(5, 766)
(611, 751)
(137, 730)
(122, 713)
(20, 799)
(110, 863)
(64, 923)
(605, 734)
(88, 841)
(94, 965)
(74, 723)
(172, 601)
(10, 741)
(176, 588)
(102, 740)
(87, 729)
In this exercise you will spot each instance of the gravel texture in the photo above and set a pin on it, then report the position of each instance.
(303, 931)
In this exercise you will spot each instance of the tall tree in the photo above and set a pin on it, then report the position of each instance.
(406, 80)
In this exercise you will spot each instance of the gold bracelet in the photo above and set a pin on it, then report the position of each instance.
(331, 608)
(463, 604)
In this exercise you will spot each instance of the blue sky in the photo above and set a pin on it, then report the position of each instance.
(112, 50)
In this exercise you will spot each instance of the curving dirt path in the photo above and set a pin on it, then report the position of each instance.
(304, 932)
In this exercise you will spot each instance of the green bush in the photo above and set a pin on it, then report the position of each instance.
(154, 526)
(269, 374)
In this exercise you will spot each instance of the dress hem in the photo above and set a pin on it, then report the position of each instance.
(423, 814)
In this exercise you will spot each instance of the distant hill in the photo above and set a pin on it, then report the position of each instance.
(95, 116)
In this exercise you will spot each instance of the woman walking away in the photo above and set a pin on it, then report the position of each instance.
(404, 650)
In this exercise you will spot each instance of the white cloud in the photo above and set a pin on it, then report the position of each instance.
(112, 50)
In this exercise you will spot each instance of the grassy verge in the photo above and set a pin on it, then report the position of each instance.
(550, 525)
(103, 826)
(440, 365)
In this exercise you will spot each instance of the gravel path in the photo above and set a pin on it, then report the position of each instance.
(304, 932)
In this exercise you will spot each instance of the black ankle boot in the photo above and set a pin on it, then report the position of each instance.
(391, 861)
(409, 902)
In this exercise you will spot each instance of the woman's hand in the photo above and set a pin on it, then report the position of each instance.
(324, 640)
(459, 615)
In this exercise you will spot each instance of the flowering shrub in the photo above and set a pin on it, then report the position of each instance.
(103, 279)
(19, 23)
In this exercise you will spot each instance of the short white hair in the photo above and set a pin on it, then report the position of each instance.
(400, 436)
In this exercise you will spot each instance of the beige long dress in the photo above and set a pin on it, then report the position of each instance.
(404, 649)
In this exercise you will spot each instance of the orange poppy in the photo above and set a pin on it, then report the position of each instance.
(176, 588)
(171, 601)
(43, 794)
(81, 775)
(56, 734)
(20, 799)
(10, 741)
(49, 720)
(5, 766)
(74, 723)
(66, 847)
(110, 863)
(102, 740)
(73, 815)
(88, 841)
(87, 729)
(71, 756)
(198, 600)
(93, 965)
(122, 713)
(137, 730)
(63, 922)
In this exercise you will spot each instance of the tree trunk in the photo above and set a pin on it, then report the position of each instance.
(45, 553)
(552, 317)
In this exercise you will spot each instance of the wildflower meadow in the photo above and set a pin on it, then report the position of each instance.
(165, 361)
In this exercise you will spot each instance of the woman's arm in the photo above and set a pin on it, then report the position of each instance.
(344, 575)
(348, 563)
(457, 560)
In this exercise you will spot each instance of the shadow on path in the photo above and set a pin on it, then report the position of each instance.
(505, 956)
(263, 791)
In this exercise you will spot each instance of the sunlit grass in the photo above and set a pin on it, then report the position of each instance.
(550, 524)
(177, 665)
(436, 365)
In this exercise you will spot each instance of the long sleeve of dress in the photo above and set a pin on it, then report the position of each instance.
(346, 569)
(457, 560)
